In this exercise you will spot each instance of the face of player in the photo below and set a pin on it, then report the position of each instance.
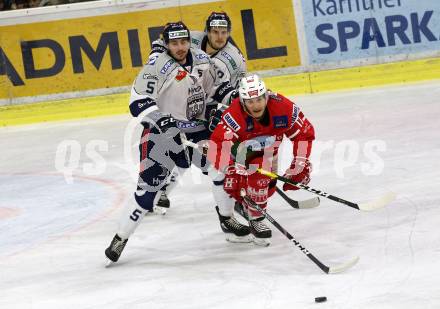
(256, 106)
(178, 49)
(217, 37)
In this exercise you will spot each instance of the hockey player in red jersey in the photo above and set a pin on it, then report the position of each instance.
(248, 136)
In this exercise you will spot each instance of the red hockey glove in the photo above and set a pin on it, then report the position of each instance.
(299, 171)
(235, 180)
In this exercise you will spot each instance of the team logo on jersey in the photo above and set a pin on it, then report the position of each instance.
(166, 66)
(280, 121)
(231, 122)
(195, 105)
(263, 182)
(274, 96)
(230, 59)
(202, 56)
(181, 75)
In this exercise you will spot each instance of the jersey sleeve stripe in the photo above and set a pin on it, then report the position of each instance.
(139, 106)
(147, 111)
(294, 134)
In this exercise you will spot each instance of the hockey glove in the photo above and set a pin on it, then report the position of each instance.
(299, 172)
(234, 95)
(235, 180)
(215, 117)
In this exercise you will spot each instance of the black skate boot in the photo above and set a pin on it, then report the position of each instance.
(163, 201)
(234, 230)
(261, 232)
(113, 252)
(161, 206)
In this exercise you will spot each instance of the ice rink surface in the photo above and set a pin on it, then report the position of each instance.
(59, 211)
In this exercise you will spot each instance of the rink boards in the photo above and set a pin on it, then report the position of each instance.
(289, 85)
(95, 49)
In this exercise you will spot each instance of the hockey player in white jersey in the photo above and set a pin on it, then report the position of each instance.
(169, 98)
(217, 43)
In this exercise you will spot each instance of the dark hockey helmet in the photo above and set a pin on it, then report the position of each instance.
(176, 30)
(218, 19)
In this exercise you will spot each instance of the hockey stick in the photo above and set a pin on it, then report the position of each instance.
(322, 266)
(369, 206)
(304, 204)
(373, 205)
(309, 203)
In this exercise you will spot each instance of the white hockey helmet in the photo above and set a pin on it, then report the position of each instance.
(251, 87)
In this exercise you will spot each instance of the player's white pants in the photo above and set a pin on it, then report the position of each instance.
(132, 216)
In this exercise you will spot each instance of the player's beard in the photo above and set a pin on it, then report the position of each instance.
(180, 55)
(219, 44)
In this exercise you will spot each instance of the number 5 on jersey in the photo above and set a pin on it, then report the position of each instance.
(150, 87)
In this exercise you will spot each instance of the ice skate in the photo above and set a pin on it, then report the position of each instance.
(233, 229)
(261, 232)
(113, 252)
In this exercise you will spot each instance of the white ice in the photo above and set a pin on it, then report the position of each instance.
(54, 227)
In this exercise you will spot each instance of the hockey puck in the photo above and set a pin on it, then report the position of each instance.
(320, 299)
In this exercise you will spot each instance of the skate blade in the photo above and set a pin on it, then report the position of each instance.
(262, 242)
(109, 263)
(238, 239)
(157, 211)
(160, 210)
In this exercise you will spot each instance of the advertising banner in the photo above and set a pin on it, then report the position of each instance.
(97, 52)
(339, 30)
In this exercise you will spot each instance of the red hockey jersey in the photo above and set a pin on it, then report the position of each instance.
(239, 134)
